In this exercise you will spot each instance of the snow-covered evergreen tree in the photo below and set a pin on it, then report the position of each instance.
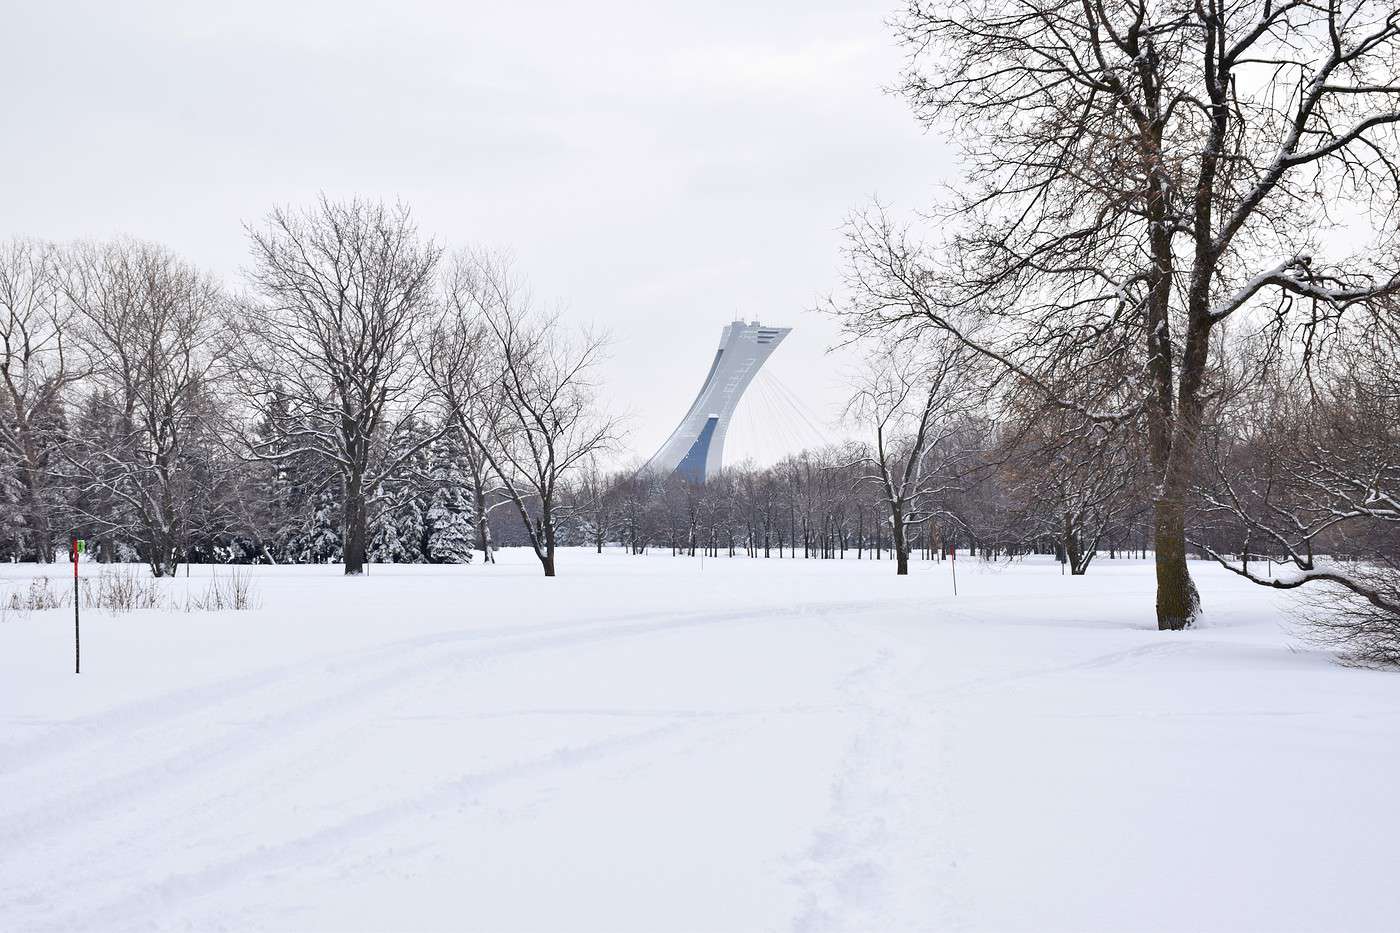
(286, 485)
(386, 541)
(398, 534)
(451, 534)
(319, 540)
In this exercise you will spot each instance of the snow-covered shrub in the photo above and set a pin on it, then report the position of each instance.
(40, 594)
(127, 589)
(121, 589)
(233, 592)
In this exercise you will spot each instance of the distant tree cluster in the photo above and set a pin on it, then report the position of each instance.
(366, 398)
(939, 469)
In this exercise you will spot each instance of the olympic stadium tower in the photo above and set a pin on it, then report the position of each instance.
(695, 449)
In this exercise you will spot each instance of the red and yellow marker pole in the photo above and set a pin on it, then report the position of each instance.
(77, 630)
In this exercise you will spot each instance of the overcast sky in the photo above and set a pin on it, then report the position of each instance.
(657, 169)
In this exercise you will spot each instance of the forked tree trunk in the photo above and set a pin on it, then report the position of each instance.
(483, 527)
(162, 554)
(1076, 555)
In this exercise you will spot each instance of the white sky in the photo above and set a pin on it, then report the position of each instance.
(658, 169)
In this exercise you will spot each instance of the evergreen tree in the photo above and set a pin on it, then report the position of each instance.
(289, 479)
(385, 541)
(319, 541)
(451, 533)
(398, 535)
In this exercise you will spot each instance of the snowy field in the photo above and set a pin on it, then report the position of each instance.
(652, 744)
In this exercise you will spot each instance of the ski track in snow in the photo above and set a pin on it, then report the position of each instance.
(247, 800)
(291, 719)
(119, 725)
(81, 733)
(467, 790)
(312, 698)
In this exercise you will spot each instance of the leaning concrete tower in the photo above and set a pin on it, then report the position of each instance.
(695, 449)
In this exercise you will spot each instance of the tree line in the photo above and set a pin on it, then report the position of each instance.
(366, 396)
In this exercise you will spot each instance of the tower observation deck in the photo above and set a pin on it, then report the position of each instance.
(695, 449)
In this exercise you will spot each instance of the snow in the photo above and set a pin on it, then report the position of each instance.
(656, 743)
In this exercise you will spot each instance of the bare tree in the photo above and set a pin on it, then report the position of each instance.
(152, 331)
(910, 398)
(487, 496)
(343, 288)
(37, 365)
(595, 503)
(1139, 174)
(1068, 479)
(457, 358)
(520, 387)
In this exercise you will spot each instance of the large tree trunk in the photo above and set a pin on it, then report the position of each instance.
(901, 545)
(42, 534)
(1178, 603)
(356, 534)
(487, 548)
(161, 555)
(548, 559)
(37, 515)
(35, 482)
(483, 528)
(1076, 554)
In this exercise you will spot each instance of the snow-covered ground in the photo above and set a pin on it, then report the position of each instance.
(657, 744)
